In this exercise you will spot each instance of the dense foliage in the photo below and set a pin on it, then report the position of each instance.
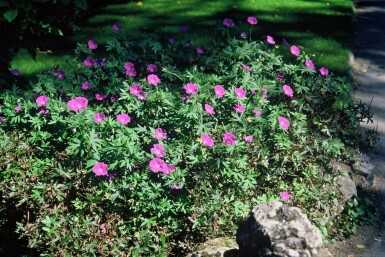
(149, 146)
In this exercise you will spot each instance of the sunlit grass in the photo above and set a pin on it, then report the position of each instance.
(320, 28)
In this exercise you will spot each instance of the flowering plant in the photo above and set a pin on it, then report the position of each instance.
(142, 163)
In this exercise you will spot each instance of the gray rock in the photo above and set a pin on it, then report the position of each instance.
(276, 230)
(363, 166)
(218, 247)
(348, 188)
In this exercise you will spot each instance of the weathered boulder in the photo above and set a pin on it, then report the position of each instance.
(218, 247)
(276, 230)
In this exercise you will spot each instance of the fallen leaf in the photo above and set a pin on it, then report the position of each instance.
(359, 246)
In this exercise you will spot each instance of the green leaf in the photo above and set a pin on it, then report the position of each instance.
(10, 15)
(81, 4)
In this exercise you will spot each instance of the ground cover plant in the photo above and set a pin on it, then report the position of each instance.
(307, 23)
(144, 147)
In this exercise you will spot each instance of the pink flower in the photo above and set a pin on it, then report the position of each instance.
(157, 165)
(153, 79)
(249, 138)
(199, 50)
(324, 71)
(152, 68)
(191, 88)
(244, 35)
(130, 69)
(15, 72)
(270, 40)
(123, 118)
(285, 196)
(219, 91)
(257, 113)
(42, 100)
(1, 120)
(264, 94)
(89, 62)
(18, 108)
(116, 27)
(310, 64)
(240, 93)
(77, 104)
(280, 76)
(252, 20)
(142, 96)
(171, 40)
(43, 110)
(287, 90)
(207, 140)
(113, 99)
(209, 109)
(228, 22)
(245, 67)
(283, 122)
(85, 85)
(100, 97)
(99, 117)
(135, 90)
(157, 150)
(92, 44)
(60, 74)
(229, 138)
(170, 168)
(100, 169)
(160, 134)
(239, 108)
(175, 186)
(102, 226)
(295, 50)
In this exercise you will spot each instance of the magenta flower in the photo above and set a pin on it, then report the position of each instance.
(113, 99)
(152, 68)
(191, 89)
(43, 110)
(239, 108)
(92, 44)
(85, 85)
(280, 76)
(287, 90)
(229, 138)
(157, 165)
(252, 20)
(228, 22)
(123, 118)
(135, 90)
(142, 96)
(240, 93)
(160, 134)
(130, 69)
(1, 120)
(219, 91)
(157, 150)
(270, 40)
(99, 117)
(249, 138)
(18, 108)
(100, 97)
(295, 50)
(285, 196)
(170, 168)
(244, 35)
(100, 169)
(183, 29)
(153, 79)
(77, 104)
(42, 100)
(116, 27)
(199, 50)
(15, 72)
(209, 109)
(324, 71)
(246, 68)
(264, 94)
(171, 40)
(60, 74)
(207, 140)
(175, 186)
(89, 62)
(283, 122)
(257, 112)
(310, 64)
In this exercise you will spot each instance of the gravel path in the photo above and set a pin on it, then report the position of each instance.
(369, 66)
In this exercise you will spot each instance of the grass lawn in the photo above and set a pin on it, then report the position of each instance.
(321, 28)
